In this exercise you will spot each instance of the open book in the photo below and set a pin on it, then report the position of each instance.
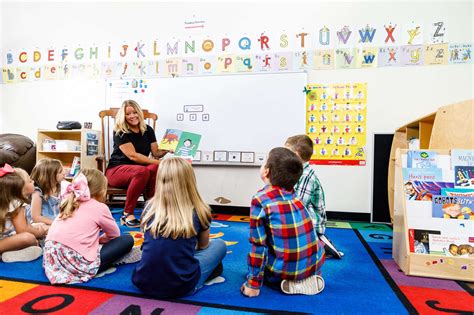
(182, 143)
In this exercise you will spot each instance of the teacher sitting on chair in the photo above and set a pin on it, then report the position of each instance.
(130, 165)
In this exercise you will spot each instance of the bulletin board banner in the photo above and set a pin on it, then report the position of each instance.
(336, 119)
(371, 46)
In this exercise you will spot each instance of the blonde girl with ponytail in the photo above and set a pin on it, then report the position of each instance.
(177, 255)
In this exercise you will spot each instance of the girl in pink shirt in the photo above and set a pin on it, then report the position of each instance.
(74, 251)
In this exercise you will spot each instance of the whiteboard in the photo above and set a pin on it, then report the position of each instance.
(246, 113)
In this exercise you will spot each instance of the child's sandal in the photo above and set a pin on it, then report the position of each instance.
(133, 223)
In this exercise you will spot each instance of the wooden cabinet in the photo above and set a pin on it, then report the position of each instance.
(450, 127)
(64, 145)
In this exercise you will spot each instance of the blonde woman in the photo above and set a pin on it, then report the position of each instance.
(131, 166)
(177, 254)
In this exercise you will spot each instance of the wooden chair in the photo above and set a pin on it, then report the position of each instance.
(107, 118)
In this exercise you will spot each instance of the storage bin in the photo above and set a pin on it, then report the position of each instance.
(62, 145)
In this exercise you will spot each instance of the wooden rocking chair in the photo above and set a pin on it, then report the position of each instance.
(107, 118)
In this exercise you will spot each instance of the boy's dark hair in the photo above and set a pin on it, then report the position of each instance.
(302, 144)
(285, 168)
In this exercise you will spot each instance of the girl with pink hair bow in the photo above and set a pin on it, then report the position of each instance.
(75, 251)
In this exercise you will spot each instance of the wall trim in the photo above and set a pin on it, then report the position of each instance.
(331, 215)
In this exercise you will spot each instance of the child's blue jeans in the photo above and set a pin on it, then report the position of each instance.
(209, 258)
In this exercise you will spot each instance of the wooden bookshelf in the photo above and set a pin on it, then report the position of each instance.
(89, 141)
(449, 127)
(424, 265)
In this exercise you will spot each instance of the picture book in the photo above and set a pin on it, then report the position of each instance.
(422, 184)
(419, 174)
(421, 159)
(463, 192)
(462, 158)
(464, 176)
(421, 190)
(419, 240)
(181, 143)
(453, 207)
(75, 166)
(451, 245)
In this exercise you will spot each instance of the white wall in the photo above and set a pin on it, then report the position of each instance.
(395, 95)
(1, 54)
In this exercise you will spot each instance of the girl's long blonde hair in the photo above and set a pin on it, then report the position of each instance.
(45, 175)
(170, 212)
(11, 188)
(97, 183)
(121, 125)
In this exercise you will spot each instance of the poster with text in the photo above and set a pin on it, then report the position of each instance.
(336, 120)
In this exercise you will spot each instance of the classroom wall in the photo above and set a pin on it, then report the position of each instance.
(395, 95)
(1, 54)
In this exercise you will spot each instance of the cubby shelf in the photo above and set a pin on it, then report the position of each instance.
(88, 139)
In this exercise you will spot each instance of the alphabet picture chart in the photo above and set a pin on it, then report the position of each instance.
(336, 119)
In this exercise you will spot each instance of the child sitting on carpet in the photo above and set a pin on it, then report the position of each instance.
(309, 190)
(72, 253)
(18, 239)
(48, 175)
(177, 255)
(285, 251)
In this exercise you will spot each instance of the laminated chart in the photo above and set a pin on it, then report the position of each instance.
(336, 119)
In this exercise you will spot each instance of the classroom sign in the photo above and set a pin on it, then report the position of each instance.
(336, 118)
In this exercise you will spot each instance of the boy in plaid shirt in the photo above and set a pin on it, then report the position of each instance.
(310, 191)
(285, 250)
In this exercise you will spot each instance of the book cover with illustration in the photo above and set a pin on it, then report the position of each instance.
(453, 207)
(451, 245)
(421, 159)
(463, 192)
(181, 143)
(419, 240)
(464, 176)
(423, 184)
(420, 190)
(75, 166)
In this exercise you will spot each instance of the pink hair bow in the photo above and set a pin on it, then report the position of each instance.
(80, 188)
(6, 169)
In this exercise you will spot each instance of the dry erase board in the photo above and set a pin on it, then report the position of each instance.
(232, 113)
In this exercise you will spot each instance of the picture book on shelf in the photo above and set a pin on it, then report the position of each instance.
(421, 159)
(463, 192)
(419, 240)
(462, 158)
(423, 184)
(424, 191)
(464, 176)
(451, 245)
(418, 174)
(181, 143)
(75, 166)
(453, 207)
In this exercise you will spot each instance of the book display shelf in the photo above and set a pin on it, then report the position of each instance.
(449, 127)
(74, 148)
(433, 228)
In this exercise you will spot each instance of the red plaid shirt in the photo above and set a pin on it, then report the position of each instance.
(284, 243)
